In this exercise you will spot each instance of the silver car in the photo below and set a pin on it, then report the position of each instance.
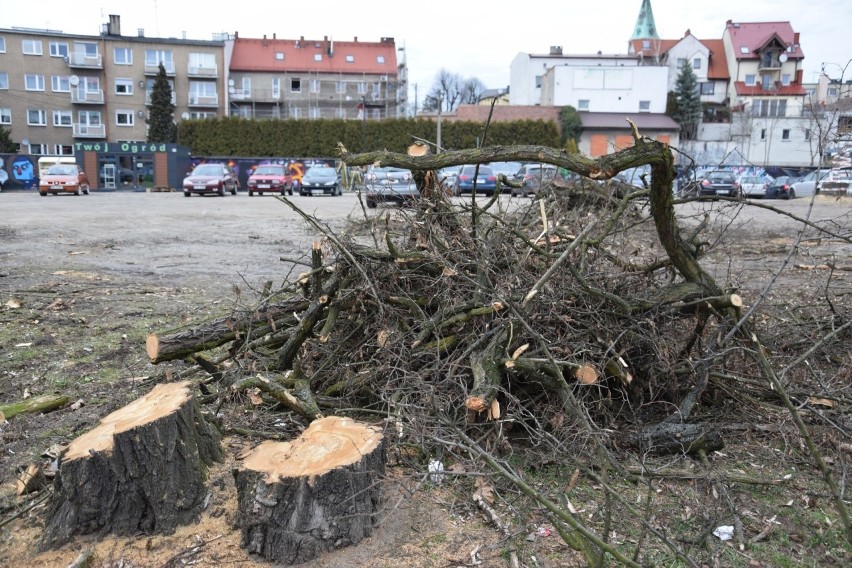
(388, 184)
(753, 186)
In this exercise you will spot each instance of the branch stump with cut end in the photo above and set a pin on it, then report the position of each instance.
(142, 469)
(319, 492)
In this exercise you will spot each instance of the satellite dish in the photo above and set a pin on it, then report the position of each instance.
(782, 58)
(230, 82)
(185, 116)
(74, 80)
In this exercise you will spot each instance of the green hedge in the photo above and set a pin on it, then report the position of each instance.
(247, 137)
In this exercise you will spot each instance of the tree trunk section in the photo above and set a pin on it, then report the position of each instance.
(142, 469)
(319, 492)
(671, 438)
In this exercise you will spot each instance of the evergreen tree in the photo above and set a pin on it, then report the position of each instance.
(6, 144)
(161, 124)
(689, 109)
(572, 126)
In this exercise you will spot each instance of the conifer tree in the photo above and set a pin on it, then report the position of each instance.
(689, 109)
(7, 146)
(161, 123)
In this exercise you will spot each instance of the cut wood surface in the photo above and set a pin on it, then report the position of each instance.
(319, 492)
(142, 469)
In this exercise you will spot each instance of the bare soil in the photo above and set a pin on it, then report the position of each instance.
(84, 280)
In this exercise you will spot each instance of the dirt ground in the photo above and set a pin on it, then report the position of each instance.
(83, 280)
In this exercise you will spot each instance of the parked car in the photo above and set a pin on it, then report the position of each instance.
(753, 186)
(807, 185)
(714, 183)
(467, 179)
(321, 180)
(389, 184)
(210, 178)
(534, 177)
(64, 178)
(508, 169)
(838, 182)
(274, 178)
(4, 177)
(781, 188)
(448, 175)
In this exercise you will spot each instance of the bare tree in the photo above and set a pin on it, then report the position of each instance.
(451, 90)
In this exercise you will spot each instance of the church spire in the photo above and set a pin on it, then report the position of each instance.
(645, 27)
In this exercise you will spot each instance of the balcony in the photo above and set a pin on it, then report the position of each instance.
(240, 94)
(84, 97)
(204, 100)
(153, 69)
(203, 72)
(85, 60)
(148, 98)
(770, 62)
(89, 130)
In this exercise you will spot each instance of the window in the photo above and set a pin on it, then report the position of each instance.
(62, 118)
(279, 56)
(380, 59)
(538, 81)
(198, 115)
(362, 88)
(350, 59)
(317, 56)
(708, 88)
(122, 56)
(153, 58)
(124, 118)
(583, 104)
(89, 118)
(38, 149)
(832, 91)
(315, 85)
(763, 134)
(124, 86)
(60, 84)
(341, 86)
(31, 46)
(696, 63)
(295, 85)
(58, 49)
(646, 44)
(769, 107)
(2, 44)
(36, 117)
(314, 112)
(377, 90)
(276, 88)
(766, 82)
(4, 80)
(63, 150)
(5, 116)
(807, 134)
(750, 80)
(203, 92)
(744, 50)
(644, 106)
(785, 79)
(681, 62)
(785, 134)
(34, 82)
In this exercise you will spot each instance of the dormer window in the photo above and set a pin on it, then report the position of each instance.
(317, 56)
(744, 50)
(380, 59)
(279, 56)
(350, 59)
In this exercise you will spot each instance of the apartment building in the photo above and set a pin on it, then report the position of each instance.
(58, 89)
(316, 79)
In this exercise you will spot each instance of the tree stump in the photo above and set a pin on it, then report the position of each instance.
(319, 492)
(142, 469)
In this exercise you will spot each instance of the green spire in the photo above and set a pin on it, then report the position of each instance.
(645, 27)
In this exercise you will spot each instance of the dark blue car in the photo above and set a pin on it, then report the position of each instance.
(485, 181)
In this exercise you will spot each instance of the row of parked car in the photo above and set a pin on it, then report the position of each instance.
(220, 179)
(782, 187)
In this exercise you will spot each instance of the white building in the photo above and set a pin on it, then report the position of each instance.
(606, 88)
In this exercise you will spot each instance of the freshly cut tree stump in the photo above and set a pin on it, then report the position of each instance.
(319, 492)
(142, 469)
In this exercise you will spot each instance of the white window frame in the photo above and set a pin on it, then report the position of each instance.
(4, 81)
(89, 117)
(696, 63)
(5, 116)
(38, 149)
(247, 85)
(202, 59)
(127, 84)
(380, 59)
(2, 44)
(708, 88)
(200, 115)
(60, 84)
(350, 59)
(39, 82)
(315, 86)
(785, 79)
(583, 104)
(341, 87)
(89, 48)
(276, 88)
(362, 88)
(41, 115)
(63, 150)
(55, 49)
(644, 106)
(31, 47)
(750, 80)
(128, 52)
(62, 118)
(317, 57)
(279, 56)
(129, 114)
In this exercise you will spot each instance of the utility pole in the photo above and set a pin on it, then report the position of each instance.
(440, 104)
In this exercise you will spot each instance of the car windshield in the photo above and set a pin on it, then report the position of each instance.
(207, 170)
(62, 171)
(269, 171)
(386, 171)
(321, 171)
(483, 171)
(720, 178)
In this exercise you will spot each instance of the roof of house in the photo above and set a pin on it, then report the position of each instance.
(718, 64)
(314, 56)
(778, 90)
(618, 121)
(747, 38)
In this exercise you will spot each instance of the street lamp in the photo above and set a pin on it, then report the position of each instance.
(438, 143)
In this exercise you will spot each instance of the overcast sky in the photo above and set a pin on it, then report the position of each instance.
(472, 39)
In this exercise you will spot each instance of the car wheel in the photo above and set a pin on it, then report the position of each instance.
(221, 191)
(791, 195)
(290, 191)
(251, 193)
(371, 203)
(43, 193)
(234, 190)
(79, 190)
(86, 191)
(186, 194)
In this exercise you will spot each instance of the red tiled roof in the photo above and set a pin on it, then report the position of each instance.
(791, 90)
(260, 55)
(755, 35)
(657, 46)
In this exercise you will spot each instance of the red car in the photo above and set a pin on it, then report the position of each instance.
(274, 178)
(211, 178)
(64, 178)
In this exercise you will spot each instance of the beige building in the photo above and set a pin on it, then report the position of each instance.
(59, 89)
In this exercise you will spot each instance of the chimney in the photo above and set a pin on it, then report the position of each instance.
(114, 25)
(796, 38)
(236, 35)
(799, 74)
(555, 50)
(273, 36)
(140, 32)
(325, 38)
(356, 39)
